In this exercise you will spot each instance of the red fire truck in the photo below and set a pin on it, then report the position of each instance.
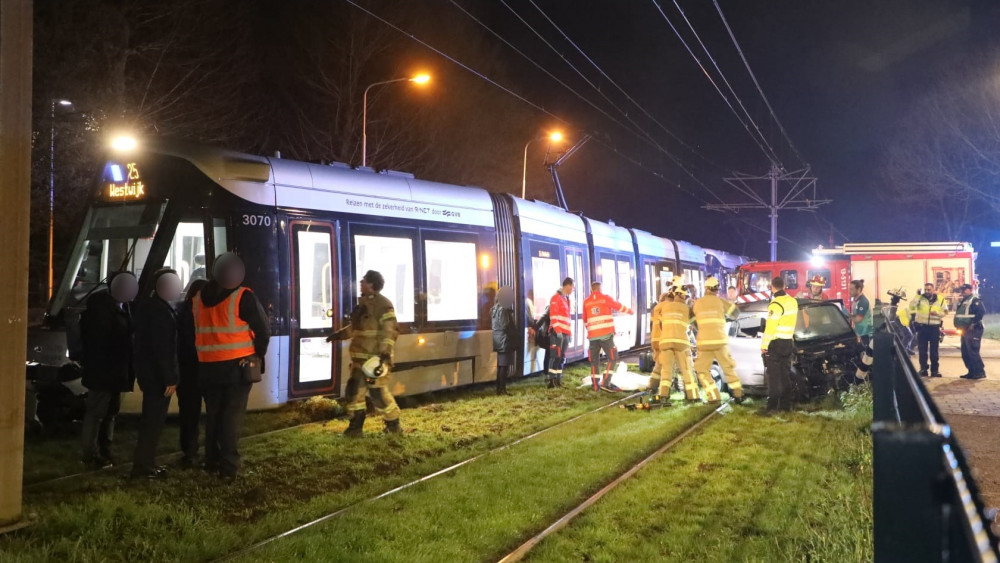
(883, 266)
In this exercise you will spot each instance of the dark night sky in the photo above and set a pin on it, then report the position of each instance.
(838, 74)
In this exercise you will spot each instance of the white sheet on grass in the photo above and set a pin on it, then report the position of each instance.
(623, 379)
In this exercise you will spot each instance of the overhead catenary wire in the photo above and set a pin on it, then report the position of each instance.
(538, 107)
(760, 90)
(648, 138)
(622, 90)
(725, 98)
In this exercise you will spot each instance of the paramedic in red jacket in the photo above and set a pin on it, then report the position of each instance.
(598, 315)
(560, 321)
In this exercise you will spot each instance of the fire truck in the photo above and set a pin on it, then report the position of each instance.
(883, 266)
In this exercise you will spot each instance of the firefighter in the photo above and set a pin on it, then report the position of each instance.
(969, 320)
(814, 289)
(777, 348)
(559, 332)
(675, 346)
(654, 342)
(711, 313)
(373, 338)
(598, 317)
(928, 312)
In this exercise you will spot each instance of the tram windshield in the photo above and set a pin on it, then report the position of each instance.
(120, 237)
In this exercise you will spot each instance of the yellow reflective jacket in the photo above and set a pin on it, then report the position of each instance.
(674, 319)
(711, 312)
(782, 314)
(927, 313)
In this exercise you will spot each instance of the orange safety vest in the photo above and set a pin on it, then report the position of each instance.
(598, 314)
(219, 332)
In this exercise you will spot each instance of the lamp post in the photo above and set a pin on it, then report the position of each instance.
(418, 79)
(52, 181)
(553, 137)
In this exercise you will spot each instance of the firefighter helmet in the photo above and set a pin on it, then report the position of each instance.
(373, 368)
(898, 292)
(679, 291)
(818, 280)
(711, 282)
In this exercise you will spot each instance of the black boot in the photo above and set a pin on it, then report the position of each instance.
(550, 383)
(392, 427)
(654, 386)
(355, 428)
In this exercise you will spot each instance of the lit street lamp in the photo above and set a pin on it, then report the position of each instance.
(52, 180)
(553, 137)
(418, 79)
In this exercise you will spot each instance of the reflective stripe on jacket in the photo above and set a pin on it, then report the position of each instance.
(598, 314)
(219, 332)
(710, 312)
(559, 319)
(782, 314)
(969, 311)
(927, 313)
(674, 320)
(373, 328)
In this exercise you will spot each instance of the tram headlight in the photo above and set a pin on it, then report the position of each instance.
(124, 143)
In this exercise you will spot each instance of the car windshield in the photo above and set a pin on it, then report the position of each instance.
(821, 321)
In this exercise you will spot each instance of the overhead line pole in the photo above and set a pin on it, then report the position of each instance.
(15, 192)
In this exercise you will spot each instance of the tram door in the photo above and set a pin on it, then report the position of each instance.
(314, 308)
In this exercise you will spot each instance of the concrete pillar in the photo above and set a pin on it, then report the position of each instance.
(15, 193)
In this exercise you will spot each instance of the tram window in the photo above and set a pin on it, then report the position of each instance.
(315, 292)
(625, 283)
(609, 277)
(546, 281)
(219, 234)
(452, 280)
(115, 237)
(187, 252)
(393, 258)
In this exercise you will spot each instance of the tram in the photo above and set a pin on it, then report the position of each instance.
(307, 232)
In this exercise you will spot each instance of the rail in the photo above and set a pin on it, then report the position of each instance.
(927, 505)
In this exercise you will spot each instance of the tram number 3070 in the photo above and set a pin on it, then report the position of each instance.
(257, 220)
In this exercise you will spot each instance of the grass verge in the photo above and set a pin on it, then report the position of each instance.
(289, 478)
(991, 326)
(795, 487)
(478, 512)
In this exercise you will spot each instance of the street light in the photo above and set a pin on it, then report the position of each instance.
(52, 181)
(421, 78)
(553, 137)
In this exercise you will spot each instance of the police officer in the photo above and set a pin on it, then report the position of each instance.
(969, 319)
(711, 313)
(928, 312)
(559, 332)
(675, 345)
(598, 317)
(230, 329)
(373, 340)
(777, 347)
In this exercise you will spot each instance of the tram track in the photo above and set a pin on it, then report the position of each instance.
(560, 523)
(331, 515)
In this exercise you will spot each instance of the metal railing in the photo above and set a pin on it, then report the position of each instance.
(926, 504)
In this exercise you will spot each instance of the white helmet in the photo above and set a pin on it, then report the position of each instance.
(373, 368)
(898, 292)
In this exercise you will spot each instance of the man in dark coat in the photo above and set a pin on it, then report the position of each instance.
(226, 392)
(504, 336)
(106, 338)
(155, 367)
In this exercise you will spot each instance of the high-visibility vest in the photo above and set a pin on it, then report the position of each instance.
(782, 314)
(963, 316)
(559, 315)
(219, 332)
(598, 314)
(710, 313)
(922, 309)
(674, 318)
